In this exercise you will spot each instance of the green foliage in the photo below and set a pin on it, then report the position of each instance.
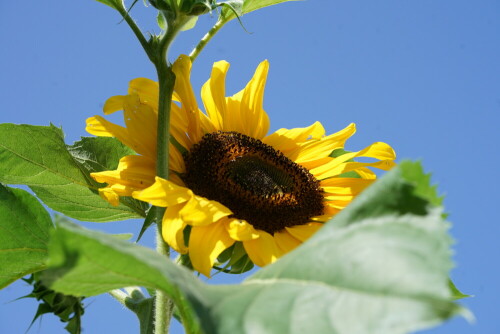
(87, 263)
(99, 153)
(68, 308)
(381, 266)
(234, 260)
(38, 157)
(24, 233)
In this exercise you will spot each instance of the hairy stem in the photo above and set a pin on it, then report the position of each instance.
(166, 80)
(203, 42)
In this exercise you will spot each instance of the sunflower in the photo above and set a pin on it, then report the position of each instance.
(231, 182)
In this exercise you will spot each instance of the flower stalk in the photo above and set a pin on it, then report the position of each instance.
(166, 80)
(203, 42)
(156, 49)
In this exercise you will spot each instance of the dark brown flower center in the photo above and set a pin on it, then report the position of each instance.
(258, 183)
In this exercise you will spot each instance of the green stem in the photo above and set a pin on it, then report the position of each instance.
(164, 306)
(119, 295)
(203, 42)
(166, 80)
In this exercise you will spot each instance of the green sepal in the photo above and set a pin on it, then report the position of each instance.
(150, 219)
(143, 307)
(237, 260)
(68, 309)
(457, 294)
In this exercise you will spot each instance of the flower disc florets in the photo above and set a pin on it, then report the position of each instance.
(258, 183)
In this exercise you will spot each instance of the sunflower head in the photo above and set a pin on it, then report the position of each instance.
(236, 194)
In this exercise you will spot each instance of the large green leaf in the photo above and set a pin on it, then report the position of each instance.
(240, 7)
(24, 234)
(38, 157)
(381, 266)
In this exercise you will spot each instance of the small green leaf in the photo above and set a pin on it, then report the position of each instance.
(24, 232)
(99, 153)
(162, 22)
(38, 157)
(150, 219)
(456, 294)
(190, 24)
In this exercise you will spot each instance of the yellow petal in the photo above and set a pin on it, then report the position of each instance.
(134, 172)
(176, 161)
(213, 94)
(286, 242)
(344, 186)
(98, 126)
(109, 195)
(146, 89)
(287, 140)
(240, 230)
(263, 250)
(184, 90)
(337, 166)
(205, 245)
(141, 122)
(314, 149)
(311, 164)
(164, 193)
(304, 232)
(200, 211)
(173, 228)
(366, 173)
(113, 104)
(249, 102)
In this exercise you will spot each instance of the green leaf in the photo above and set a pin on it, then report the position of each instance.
(96, 154)
(24, 232)
(162, 22)
(422, 184)
(381, 266)
(245, 6)
(99, 153)
(88, 263)
(38, 157)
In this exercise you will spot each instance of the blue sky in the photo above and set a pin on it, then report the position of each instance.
(422, 75)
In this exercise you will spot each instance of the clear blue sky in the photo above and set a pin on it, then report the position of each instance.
(421, 75)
